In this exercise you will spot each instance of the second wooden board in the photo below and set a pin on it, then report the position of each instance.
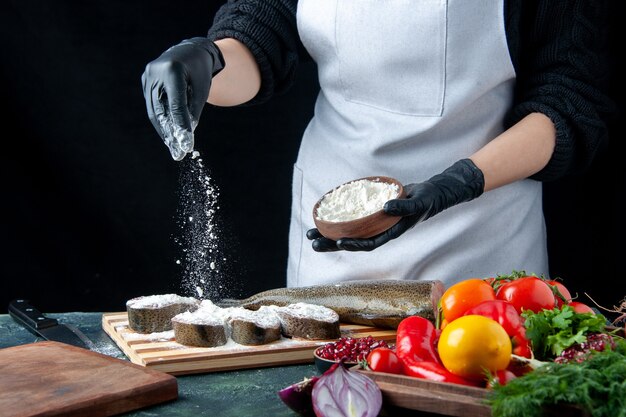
(161, 352)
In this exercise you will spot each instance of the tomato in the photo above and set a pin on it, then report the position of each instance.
(581, 307)
(563, 296)
(521, 345)
(464, 295)
(527, 293)
(383, 359)
(501, 311)
(472, 345)
(501, 377)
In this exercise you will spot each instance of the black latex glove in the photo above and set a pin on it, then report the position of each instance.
(176, 86)
(463, 181)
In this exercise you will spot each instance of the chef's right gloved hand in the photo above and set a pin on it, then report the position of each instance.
(176, 86)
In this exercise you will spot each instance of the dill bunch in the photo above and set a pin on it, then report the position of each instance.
(597, 386)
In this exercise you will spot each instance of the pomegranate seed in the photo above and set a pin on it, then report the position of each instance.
(350, 349)
(579, 352)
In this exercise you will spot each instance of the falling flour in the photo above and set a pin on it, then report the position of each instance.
(355, 199)
(204, 264)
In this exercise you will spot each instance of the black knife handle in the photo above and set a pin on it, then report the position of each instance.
(33, 319)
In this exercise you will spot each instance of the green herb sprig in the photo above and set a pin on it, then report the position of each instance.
(552, 331)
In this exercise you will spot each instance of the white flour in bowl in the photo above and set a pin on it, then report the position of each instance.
(355, 199)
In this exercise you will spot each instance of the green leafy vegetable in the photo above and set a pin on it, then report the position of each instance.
(597, 386)
(552, 331)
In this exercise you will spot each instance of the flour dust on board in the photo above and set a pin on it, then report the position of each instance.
(204, 263)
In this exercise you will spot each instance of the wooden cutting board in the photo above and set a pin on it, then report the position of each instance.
(164, 354)
(56, 379)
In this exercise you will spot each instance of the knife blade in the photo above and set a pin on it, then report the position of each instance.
(45, 327)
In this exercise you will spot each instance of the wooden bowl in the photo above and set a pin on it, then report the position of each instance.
(363, 227)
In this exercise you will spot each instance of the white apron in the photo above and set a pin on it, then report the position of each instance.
(408, 87)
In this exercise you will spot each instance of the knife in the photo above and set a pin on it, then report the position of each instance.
(48, 328)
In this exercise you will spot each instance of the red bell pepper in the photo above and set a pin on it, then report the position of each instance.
(434, 371)
(416, 341)
(501, 311)
(415, 338)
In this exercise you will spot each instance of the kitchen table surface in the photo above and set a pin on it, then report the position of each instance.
(250, 392)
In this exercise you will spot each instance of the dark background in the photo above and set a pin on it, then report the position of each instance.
(90, 193)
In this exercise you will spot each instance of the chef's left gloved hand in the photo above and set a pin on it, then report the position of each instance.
(463, 181)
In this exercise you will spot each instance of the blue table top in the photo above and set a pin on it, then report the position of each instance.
(250, 392)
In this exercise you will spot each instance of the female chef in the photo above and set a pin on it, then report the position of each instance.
(470, 104)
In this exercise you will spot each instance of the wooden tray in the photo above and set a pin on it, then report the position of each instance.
(430, 396)
(168, 356)
(451, 399)
(445, 398)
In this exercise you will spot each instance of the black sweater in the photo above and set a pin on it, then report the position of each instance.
(558, 49)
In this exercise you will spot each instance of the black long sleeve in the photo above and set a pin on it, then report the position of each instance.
(559, 50)
(268, 29)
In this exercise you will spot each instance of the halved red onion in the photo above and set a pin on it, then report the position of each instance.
(342, 393)
(298, 396)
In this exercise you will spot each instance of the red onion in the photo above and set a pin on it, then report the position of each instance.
(298, 396)
(341, 393)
